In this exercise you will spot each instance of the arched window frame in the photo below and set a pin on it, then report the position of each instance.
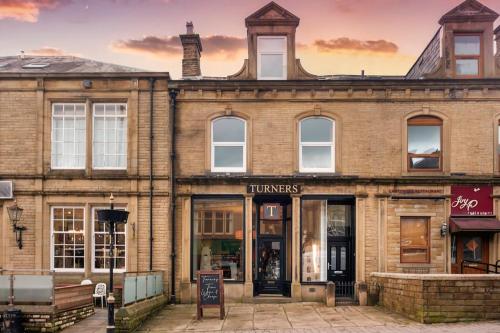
(331, 144)
(425, 120)
(214, 144)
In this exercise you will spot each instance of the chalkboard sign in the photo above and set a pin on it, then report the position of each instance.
(210, 291)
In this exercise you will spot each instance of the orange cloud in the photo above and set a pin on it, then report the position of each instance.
(217, 45)
(26, 10)
(347, 44)
(50, 51)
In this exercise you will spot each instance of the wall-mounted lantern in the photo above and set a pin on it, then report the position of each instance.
(15, 213)
(444, 229)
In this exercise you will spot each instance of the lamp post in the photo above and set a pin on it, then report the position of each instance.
(111, 217)
(15, 213)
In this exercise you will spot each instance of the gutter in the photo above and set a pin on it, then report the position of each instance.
(173, 110)
(151, 175)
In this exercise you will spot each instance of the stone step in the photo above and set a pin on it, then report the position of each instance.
(271, 299)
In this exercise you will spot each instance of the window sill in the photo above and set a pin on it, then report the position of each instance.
(419, 173)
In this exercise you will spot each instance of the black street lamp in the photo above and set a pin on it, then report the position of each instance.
(15, 213)
(111, 217)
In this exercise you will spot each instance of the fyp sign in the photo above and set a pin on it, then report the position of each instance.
(469, 200)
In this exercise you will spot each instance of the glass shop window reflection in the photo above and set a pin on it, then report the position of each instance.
(218, 236)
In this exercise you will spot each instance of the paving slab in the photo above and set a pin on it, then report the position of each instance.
(284, 318)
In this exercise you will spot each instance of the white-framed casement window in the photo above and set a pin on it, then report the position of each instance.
(68, 239)
(271, 58)
(228, 145)
(68, 136)
(110, 136)
(317, 145)
(100, 245)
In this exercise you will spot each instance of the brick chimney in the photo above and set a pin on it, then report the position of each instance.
(191, 45)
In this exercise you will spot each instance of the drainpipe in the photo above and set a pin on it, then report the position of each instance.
(151, 139)
(173, 106)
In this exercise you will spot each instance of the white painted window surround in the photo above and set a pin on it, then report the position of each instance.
(317, 145)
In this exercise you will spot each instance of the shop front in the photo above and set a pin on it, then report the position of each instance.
(270, 240)
(473, 226)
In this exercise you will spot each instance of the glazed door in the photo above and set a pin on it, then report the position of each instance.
(339, 261)
(474, 249)
(271, 249)
(270, 268)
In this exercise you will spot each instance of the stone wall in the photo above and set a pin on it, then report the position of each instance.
(438, 298)
(130, 317)
(47, 319)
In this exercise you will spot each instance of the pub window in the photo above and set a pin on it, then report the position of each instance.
(218, 236)
(467, 55)
(271, 58)
(68, 136)
(110, 136)
(424, 143)
(228, 145)
(317, 148)
(68, 246)
(100, 245)
(414, 240)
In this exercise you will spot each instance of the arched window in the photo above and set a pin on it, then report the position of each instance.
(424, 143)
(228, 145)
(317, 146)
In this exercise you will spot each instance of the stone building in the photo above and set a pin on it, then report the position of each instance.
(282, 179)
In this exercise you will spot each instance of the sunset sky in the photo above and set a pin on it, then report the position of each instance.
(334, 36)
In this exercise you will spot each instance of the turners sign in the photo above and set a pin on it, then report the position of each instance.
(273, 189)
(472, 200)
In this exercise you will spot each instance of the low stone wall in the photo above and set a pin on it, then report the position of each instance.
(46, 318)
(438, 298)
(130, 317)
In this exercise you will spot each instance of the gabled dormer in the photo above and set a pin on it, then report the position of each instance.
(271, 46)
(463, 47)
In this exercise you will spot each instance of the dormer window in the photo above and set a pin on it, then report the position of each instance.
(271, 58)
(468, 57)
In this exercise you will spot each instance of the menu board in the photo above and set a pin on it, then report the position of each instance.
(210, 291)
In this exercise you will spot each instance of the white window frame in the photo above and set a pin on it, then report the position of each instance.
(105, 270)
(214, 144)
(283, 54)
(317, 144)
(52, 242)
(93, 137)
(53, 137)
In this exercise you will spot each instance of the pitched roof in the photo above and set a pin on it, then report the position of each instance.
(272, 13)
(469, 10)
(58, 65)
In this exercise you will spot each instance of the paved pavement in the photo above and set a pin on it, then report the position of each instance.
(299, 317)
(93, 324)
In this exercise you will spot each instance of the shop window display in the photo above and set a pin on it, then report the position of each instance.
(218, 236)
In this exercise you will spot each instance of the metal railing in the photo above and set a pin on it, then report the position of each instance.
(481, 266)
(138, 286)
(345, 292)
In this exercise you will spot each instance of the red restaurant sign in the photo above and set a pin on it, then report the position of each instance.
(472, 200)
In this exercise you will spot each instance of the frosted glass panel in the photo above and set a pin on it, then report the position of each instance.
(129, 290)
(159, 284)
(151, 285)
(33, 288)
(4, 289)
(141, 287)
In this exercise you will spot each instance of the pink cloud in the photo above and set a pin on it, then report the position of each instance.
(26, 10)
(348, 44)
